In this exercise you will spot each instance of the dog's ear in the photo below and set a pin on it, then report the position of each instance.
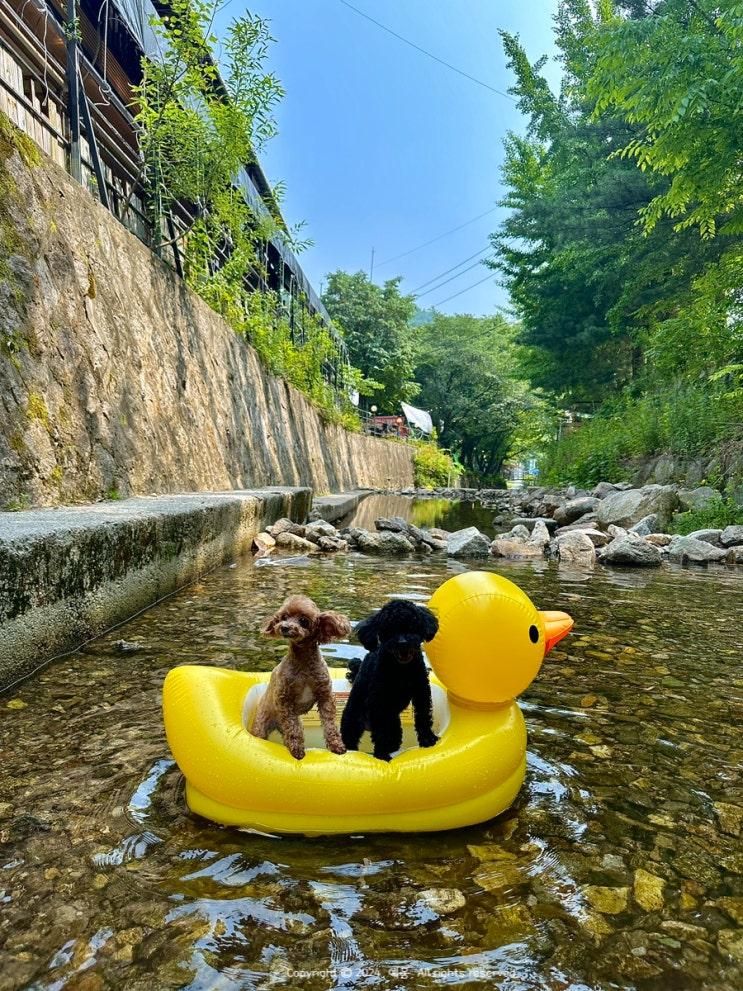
(368, 632)
(269, 627)
(332, 626)
(428, 623)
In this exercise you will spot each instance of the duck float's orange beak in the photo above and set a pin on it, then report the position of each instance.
(556, 626)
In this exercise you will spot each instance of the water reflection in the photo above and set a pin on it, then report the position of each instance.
(619, 866)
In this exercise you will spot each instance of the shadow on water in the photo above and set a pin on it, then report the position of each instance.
(619, 866)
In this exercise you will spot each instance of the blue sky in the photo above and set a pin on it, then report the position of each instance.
(382, 147)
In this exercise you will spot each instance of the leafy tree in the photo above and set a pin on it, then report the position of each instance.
(678, 75)
(375, 322)
(467, 368)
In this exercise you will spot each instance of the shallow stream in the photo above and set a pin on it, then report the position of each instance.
(620, 865)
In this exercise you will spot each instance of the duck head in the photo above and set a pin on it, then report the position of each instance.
(492, 639)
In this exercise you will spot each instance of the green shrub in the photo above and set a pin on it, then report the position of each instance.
(686, 419)
(433, 467)
(715, 517)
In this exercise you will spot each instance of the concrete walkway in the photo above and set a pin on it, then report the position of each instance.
(334, 507)
(68, 574)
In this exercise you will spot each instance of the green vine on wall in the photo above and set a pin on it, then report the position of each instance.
(198, 126)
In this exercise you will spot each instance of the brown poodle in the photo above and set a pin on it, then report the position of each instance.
(302, 677)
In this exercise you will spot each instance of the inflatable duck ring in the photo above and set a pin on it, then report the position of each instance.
(490, 646)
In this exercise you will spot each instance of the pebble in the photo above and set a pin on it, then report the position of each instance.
(443, 901)
(730, 817)
(608, 901)
(730, 943)
(648, 890)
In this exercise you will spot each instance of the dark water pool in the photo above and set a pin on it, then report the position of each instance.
(443, 513)
(620, 865)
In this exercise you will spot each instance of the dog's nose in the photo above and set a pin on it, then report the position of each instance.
(285, 628)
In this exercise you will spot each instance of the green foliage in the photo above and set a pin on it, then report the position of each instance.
(197, 129)
(375, 324)
(433, 467)
(623, 250)
(725, 513)
(684, 419)
(677, 76)
(469, 373)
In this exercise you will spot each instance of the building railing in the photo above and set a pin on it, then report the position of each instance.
(34, 95)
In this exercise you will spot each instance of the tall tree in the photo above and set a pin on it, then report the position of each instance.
(375, 322)
(467, 368)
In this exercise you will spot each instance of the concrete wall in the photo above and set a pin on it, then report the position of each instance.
(114, 377)
(67, 575)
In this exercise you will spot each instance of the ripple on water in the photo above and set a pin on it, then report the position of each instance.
(618, 866)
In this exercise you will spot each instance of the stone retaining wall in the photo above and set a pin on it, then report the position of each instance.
(116, 379)
(69, 574)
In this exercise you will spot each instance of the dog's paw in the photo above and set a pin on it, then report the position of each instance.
(297, 754)
(387, 757)
(427, 739)
(336, 747)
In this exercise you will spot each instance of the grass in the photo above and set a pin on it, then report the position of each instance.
(717, 517)
(687, 420)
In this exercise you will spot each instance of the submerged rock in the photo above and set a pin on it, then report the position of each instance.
(608, 901)
(648, 890)
(443, 901)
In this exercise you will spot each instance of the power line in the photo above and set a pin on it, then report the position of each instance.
(451, 278)
(438, 237)
(461, 291)
(425, 51)
(446, 272)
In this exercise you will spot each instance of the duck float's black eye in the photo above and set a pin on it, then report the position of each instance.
(533, 634)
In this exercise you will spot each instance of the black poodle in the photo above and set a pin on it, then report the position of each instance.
(391, 676)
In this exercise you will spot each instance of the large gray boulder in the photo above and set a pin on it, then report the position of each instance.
(285, 525)
(468, 543)
(646, 526)
(384, 542)
(603, 489)
(629, 507)
(633, 550)
(396, 524)
(575, 508)
(703, 497)
(709, 536)
(732, 536)
(689, 550)
(576, 549)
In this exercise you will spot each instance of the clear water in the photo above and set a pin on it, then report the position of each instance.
(441, 513)
(106, 880)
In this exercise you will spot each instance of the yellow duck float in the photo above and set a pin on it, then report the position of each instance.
(489, 648)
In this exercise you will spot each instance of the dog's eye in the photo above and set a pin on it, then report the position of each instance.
(303, 621)
(533, 634)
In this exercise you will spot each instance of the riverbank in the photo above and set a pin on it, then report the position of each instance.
(67, 575)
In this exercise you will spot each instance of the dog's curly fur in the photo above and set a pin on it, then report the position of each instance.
(302, 677)
(391, 676)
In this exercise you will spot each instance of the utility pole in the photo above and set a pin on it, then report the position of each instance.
(371, 267)
(73, 92)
